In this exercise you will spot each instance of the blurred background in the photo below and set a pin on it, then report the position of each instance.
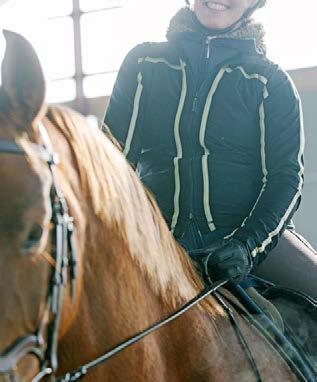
(81, 44)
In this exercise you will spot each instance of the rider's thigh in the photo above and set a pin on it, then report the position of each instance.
(292, 263)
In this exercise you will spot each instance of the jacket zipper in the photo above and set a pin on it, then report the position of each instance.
(191, 120)
(208, 49)
(192, 172)
(194, 110)
(206, 55)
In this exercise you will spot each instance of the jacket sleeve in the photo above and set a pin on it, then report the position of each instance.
(282, 146)
(125, 110)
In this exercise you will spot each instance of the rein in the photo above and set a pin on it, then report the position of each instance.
(82, 371)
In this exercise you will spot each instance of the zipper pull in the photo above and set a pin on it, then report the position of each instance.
(207, 48)
(194, 109)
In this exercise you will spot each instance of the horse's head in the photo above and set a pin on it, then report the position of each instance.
(25, 207)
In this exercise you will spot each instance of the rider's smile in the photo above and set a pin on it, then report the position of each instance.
(221, 14)
(216, 7)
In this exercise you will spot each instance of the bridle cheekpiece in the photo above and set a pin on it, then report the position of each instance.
(65, 266)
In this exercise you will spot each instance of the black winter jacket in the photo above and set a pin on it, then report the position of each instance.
(225, 148)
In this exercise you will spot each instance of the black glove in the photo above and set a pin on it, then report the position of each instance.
(232, 261)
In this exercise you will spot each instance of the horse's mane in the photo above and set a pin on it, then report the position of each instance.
(119, 199)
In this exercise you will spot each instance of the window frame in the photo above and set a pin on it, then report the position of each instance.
(81, 102)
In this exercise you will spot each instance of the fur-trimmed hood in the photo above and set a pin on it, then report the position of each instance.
(185, 21)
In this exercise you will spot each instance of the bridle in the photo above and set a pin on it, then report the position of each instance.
(64, 255)
(65, 267)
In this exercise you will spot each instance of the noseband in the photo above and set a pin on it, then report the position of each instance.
(64, 255)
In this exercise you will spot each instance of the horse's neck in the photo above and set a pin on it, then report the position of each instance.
(115, 302)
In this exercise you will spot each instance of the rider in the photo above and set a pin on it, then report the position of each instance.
(215, 131)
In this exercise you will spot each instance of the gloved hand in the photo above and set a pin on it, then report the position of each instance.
(232, 261)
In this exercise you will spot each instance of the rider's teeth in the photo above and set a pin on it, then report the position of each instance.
(216, 6)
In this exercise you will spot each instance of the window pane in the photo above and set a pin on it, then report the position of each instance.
(103, 54)
(58, 8)
(99, 85)
(61, 91)
(52, 39)
(91, 5)
(148, 20)
(58, 46)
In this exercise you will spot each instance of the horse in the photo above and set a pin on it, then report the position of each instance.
(130, 271)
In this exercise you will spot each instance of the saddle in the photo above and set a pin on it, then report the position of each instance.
(292, 312)
(299, 314)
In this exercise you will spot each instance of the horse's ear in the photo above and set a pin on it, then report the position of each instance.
(23, 83)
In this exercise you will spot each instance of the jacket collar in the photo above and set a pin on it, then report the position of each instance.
(248, 37)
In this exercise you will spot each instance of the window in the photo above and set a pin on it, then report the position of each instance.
(103, 43)
(113, 29)
(59, 60)
(51, 32)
